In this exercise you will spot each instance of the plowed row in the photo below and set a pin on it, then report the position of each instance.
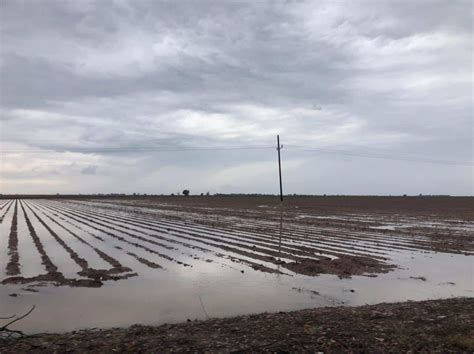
(126, 238)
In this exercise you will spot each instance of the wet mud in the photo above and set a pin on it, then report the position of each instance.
(13, 266)
(343, 267)
(303, 237)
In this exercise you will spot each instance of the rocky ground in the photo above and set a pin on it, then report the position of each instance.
(436, 325)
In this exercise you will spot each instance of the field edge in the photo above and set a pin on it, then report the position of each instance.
(430, 325)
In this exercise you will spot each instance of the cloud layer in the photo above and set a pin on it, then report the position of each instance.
(82, 78)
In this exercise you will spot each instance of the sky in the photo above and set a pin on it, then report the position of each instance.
(369, 97)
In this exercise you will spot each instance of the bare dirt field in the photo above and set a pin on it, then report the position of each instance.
(169, 259)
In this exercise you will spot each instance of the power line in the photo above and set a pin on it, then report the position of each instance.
(377, 155)
(134, 149)
(131, 149)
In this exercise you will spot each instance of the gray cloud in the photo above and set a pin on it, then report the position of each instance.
(89, 170)
(391, 78)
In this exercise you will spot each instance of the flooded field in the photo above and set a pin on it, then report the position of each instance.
(114, 262)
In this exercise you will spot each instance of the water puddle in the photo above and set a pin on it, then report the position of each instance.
(169, 266)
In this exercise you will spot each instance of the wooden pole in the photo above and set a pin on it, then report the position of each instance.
(281, 198)
(279, 167)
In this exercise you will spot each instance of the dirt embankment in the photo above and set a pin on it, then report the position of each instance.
(437, 325)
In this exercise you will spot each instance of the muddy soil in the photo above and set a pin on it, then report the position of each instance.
(442, 224)
(53, 275)
(427, 326)
(420, 205)
(343, 267)
(456, 207)
(13, 266)
(343, 236)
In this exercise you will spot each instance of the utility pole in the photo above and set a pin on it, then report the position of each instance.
(279, 167)
(279, 147)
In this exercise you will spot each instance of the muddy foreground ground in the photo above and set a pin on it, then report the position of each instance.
(437, 325)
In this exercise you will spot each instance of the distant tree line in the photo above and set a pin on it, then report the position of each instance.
(186, 193)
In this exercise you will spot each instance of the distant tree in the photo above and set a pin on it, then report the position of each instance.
(172, 194)
(186, 192)
(208, 194)
(202, 194)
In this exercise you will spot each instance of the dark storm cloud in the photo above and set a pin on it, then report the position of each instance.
(386, 76)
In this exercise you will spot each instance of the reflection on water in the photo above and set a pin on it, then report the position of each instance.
(281, 231)
(210, 285)
(157, 297)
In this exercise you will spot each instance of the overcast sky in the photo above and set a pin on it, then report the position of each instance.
(86, 85)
